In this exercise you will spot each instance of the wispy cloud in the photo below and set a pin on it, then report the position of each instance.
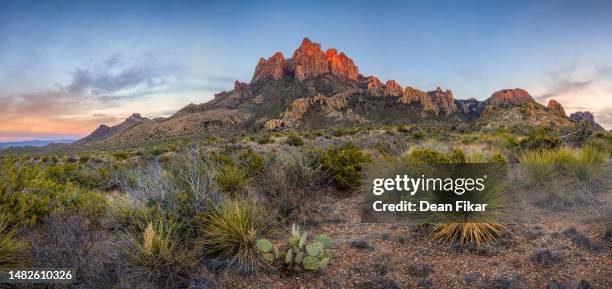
(565, 86)
(579, 91)
(68, 107)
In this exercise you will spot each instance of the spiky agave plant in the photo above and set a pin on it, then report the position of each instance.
(12, 252)
(230, 231)
(462, 228)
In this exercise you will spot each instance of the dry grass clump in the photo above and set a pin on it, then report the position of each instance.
(580, 168)
(12, 252)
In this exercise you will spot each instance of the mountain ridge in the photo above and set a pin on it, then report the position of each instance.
(318, 89)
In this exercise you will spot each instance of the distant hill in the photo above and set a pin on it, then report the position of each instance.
(321, 89)
(34, 143)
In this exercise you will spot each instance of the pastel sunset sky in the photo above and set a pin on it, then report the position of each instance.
(68, 66)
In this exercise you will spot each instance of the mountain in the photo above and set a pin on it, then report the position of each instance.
(586, 117)
(34, 143)
(104, 132)
(318, 88)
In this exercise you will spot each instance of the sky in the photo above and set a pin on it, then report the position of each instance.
(68, 66)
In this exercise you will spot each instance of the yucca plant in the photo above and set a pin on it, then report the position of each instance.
(230, 231)
(462, 228)
(585, 169)
(153, 251)
(468, 233)
(12, 252)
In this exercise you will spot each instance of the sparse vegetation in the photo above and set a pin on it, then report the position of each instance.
(174, 212)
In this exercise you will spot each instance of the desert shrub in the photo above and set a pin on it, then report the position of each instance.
(403, 128)
(546, 257)
(539, 139)
(290, 181)
(427, 156)
(345, 165)
(265, 139)
(69, 237)
(418, 135)
(230, 231)
(12, 251)
(153, 251)
(231, 179)
(298, 254)
(498, 159)
(294, 140)
(345, 131)
(252, 162)
(121, 155)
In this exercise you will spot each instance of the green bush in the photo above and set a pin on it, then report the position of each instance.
(539, 139)
(121, 155)
(294, 140)
(265, 139)
(28, 193)
(252, 162)
(427, 156)
(231, 179)
(231, 229)
(345, 165)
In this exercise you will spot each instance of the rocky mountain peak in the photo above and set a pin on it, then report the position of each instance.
(444, 100)
(239, 85)
(308, 61)
(392, 88)
(341, 65)
(509, 98)
(135, 117)
(556, 106)
(274, 68)
(586, 116)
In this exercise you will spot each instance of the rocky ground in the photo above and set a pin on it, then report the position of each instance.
(553, 255)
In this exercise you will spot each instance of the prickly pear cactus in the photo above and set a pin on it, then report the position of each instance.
(314, 249)
(299, 257)
(264, 246)
(289, 256)
(323, 263)
(299, 253)
(269, 257)
(311, 263)
(323, 239)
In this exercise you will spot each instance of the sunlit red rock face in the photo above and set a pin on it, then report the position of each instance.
(392, 88)
(341, 65)
(412, 95)
(556, 106)
(308, 61)
(273, 68)
(509, 98)
(444, 100)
